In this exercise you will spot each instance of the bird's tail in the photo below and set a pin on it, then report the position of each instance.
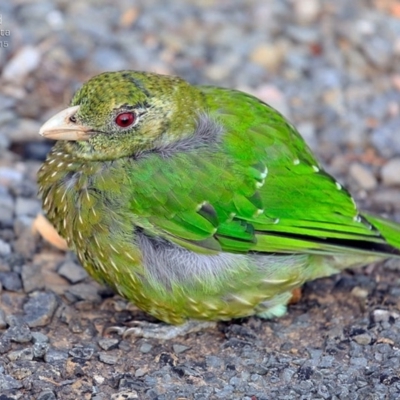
(389, 230)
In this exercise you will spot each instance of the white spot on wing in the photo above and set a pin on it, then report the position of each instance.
(265, 173)
(276, 221)
(338, 185)
(296, 161)
(315, 168)
(260, 184)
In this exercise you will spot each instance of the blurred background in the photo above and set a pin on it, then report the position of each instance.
(331, 67)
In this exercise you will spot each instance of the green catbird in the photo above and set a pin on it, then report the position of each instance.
(198, 202)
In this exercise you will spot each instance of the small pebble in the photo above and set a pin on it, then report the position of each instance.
(20, 333)
(32, 278)
(40, 349)
(21, 64)
(84, 291)
(5, 248)
(178, 348)
(359, 292)
(390, 172)
(29, 207)
(381, 315)
(125, 395)
(21, 355)
(25, 244)
(363, 176)
(140, 372)
(3, 323)
(46, 395)
(11, 281)
(39, 337)
(84, 353)
(363, 339)
(53, 356)
(40, 308)
(7, 382)
(108, 358)
(145, 348)
(72, 271)
(108, 344)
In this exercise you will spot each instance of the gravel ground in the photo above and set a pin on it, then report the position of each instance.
(333, 67)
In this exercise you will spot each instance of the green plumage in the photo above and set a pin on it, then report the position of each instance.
(209, 205)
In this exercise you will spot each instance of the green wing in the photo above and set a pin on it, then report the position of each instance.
(258, 188)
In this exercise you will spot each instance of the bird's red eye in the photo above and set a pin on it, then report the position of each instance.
(125, 119)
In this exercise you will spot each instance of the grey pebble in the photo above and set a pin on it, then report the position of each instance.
(390, 172)
(363, 339)
(359, 361)
(108, 344)
(214, 362)
(10, 176)
(5, 343)
(107, 358)
(363, 176)
(39, 337)
(19, 333)
(40, 308)
(145, 348)
(32, 278)
(25, 244)
(30, 207)
(84, 353)
(22, 63)
(7, 382)
(46, 395)
(140, 372)
(83, 291)
(125, 395)
(40, 349)
(53, 356)
(7, 207)
(3, 323)
(24, 354)
(11, 281)
(381, 315)
(5, 248)
(178, 348)
(72, 271)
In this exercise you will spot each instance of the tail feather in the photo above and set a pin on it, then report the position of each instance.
(389, 230)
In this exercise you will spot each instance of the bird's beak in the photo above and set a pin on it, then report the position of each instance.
(62, 127)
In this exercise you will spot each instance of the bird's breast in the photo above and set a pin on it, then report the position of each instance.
(88, 204)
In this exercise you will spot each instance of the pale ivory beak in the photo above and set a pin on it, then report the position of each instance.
(60, 127)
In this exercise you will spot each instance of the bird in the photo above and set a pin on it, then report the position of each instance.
(198, 203)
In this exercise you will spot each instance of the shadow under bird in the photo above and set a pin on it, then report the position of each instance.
(198, 202)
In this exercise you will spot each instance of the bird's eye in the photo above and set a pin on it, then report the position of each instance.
(125, 119)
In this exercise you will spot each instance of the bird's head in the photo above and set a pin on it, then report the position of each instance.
(120, 114)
